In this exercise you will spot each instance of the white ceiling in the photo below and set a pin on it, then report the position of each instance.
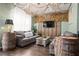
(43, 8)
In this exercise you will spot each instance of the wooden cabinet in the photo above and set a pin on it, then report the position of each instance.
(66, 46)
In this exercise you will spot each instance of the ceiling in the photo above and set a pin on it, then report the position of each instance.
(43, 8)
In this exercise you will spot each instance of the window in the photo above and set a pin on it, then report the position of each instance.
(22, 21)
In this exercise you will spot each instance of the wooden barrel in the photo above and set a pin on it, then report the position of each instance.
(70, 46)
(8, 41)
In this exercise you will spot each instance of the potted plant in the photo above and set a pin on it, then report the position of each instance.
(34, 29)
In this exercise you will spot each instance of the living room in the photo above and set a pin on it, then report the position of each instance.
(39, 29)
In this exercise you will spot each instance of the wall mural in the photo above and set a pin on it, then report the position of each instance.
(43, 8)
(53, 17)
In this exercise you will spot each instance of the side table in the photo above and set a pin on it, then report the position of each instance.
(8, 41)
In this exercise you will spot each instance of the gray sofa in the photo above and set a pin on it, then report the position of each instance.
(25, 38)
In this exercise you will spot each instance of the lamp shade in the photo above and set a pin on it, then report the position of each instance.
(9, 21)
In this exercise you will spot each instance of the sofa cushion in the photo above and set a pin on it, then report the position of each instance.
(28, 34)
(19, 32)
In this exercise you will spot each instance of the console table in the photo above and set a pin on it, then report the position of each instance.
(66, 46)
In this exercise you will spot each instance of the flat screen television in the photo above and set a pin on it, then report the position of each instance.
(48, 24)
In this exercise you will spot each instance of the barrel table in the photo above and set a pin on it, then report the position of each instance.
(8, 41)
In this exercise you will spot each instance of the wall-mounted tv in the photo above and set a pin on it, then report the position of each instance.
(48, 24)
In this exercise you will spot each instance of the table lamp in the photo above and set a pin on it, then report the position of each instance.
(8, 25)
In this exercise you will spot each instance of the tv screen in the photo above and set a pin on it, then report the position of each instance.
(48, 24)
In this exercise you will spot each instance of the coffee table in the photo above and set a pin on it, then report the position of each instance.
(42, 41)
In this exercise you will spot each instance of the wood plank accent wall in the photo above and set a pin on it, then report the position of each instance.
(57, 17)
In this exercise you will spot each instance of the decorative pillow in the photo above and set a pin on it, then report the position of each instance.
(28, 34)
